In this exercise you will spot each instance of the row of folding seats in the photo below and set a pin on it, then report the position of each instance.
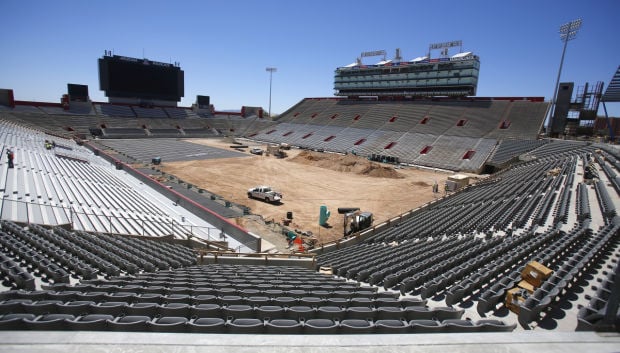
(560, 214)
(238, 270)
(583, 204)
(612, 156)
(579, 262)
(601, 313)
(117, 244)
(147, 261)
(414, 274)
(550, 250)
(608, 209)
(31, 258)
(610, 171)
(399, 258)
(437, 266)
(179, 253)
(217, 279)
(157, 251)
(109, 263)
(341, 260)
(242, 281)
(205, 283)
(410, 262)
(223, 300)
(16, 275)
(376, 255)
(469, 210)
(556, 150)
(523, 214)
(265, 310)
(508, 149)
(76, 249)
(203, 275)
(506, 260)
(130, 255)
(456, 269)
(132, 323)
(241, 287)
(543, 210)
(67, 260)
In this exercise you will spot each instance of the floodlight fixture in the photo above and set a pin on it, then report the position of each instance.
(568, 32)
(271, 70)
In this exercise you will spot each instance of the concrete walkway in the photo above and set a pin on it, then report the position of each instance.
(514, 342)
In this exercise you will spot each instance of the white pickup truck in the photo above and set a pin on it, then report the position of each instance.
(265, 193)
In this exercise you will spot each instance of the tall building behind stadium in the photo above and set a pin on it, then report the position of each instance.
(423, 76)
(99, 247)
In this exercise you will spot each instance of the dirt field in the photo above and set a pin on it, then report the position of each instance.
(307, 181)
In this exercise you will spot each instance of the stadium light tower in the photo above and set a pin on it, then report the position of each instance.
(271, 70)
(568, 32)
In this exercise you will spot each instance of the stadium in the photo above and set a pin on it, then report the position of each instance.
(128, 222)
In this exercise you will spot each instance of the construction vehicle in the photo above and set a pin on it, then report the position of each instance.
(355, 220)
(276, 150)
(265, 193)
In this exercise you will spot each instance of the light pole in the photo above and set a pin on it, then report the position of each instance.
(271, 70)
(568, 32)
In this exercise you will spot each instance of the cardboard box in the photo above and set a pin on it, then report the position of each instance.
(536, 273)
(514, 298)
(527, 286)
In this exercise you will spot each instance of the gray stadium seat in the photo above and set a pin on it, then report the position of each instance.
(320, 326)
(283, 326)
(130, 323)
(54, 322)
(16, 321)
(425, 326)
(391, 326)
(246, 326)
(168, 324)
(207, 325)
(91, 322)
(356, 326)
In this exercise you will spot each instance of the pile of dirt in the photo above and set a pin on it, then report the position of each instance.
(347, 164)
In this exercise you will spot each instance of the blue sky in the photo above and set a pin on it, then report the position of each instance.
(225, 46)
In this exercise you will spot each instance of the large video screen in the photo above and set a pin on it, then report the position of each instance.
(77, 92)
(203, 101)
(129, 77)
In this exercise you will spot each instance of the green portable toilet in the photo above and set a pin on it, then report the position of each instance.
(323, 215)
(290, 235)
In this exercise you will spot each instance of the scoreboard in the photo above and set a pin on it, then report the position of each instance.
(126, 77)
(77, 92)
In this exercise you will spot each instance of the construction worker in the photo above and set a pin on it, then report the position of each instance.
(446, 188)
(10, 156)
(435, 187)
